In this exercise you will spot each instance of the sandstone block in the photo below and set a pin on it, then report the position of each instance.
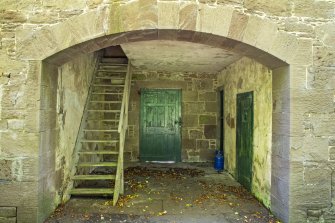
(323, 56)
(188, 96)
(309, 148)
(211, 107)
(323, 124)
(188, 15)
(282, 44)
(238, 25)
(332, 153)
(316, 174)
(15, 124)
(306, 8)
(252, 30)
(215, 20)
(13, 143)
(210, 131)
(8, 220)
(196, 134)
(6, 170)
(326, 32)
(42, 17)
(189, 144)
(207, 96)
(194, 107)
(207, 155)
(168, 15)
(7, 212)
(207, 119)
(308, 101)
(19, 5)
(321, 78)
(279, 8)
(190, 121)
(202, 144)
(12, 16)
(298, 77)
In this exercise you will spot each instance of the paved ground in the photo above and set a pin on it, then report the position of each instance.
(167, 193)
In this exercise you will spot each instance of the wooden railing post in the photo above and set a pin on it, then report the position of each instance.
(122, 128)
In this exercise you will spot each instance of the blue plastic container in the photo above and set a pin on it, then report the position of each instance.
(218, 162)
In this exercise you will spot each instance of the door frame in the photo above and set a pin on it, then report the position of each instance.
(178, 150)
(244, 94)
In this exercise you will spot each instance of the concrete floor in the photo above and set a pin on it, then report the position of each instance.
(162, 193)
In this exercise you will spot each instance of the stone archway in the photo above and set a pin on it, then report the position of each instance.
(220, 26)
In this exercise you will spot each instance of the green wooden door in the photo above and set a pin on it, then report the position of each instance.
(160, 138)
(244, 138)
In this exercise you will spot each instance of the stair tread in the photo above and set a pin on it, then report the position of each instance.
(103, 120)
(79, 191)
(93, 140)
(93, 177)
(119, 93)
(110, 78)
(107, 102)
(108, 85)
(99, 152)
(96, 164)
(102, 110)
(112, 70)
(100, 130)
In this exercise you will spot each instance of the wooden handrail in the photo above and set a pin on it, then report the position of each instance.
(123, 124)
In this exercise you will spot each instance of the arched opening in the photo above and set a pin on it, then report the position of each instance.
(236, 74)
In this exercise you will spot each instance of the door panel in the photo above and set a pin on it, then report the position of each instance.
(159, 131)
(244, 138)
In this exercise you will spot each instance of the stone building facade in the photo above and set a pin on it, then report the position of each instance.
(286, 52)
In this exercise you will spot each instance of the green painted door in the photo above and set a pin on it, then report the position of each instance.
(160, 125)
(244, 138)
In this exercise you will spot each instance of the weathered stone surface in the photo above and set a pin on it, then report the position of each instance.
(279, 8)
(207, 96)
(202, 144)
(207, 119)
(309, 148)
(194, 107)
(238, 25)
(321, 78)
(323, 56)
(7, 212)
(306, 8)
(8, 220)
(6, 170)
(189, 96)
(211, 107)
(244, 76)
(168, 15)
(190, 120)
(21, 143)
(332, 153)
(187, 16)
(196, 134)
(308, 101)
(210, 131)
(215, 20)
(189, 144)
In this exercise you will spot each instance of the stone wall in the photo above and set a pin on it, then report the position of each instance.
(64, 93)
(199, 110)
(299, 32)
(74, 78)
(247, 75)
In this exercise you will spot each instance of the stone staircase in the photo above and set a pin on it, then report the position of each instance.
(98, 140)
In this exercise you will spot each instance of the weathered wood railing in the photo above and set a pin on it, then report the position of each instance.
(123, 125)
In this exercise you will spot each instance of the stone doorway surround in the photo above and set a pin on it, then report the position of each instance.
(293, 185)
